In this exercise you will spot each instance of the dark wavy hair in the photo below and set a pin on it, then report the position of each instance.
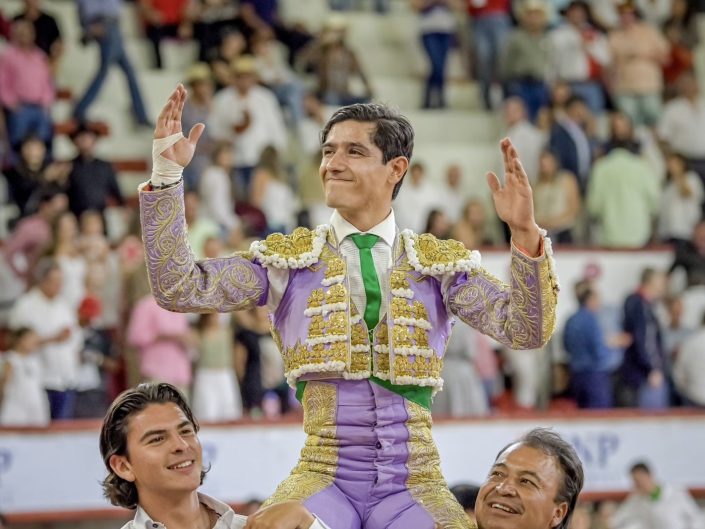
(113, 434)
(393, 133)
(552, 444)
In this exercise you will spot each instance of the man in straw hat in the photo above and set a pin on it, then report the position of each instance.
(361, 312)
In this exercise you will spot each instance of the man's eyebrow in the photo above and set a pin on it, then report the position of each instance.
(162, 431)
(150, 433)
(532, 474)
(349, 144)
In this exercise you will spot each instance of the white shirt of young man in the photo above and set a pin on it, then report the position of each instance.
(227, 519)
(48, 317)
(266, 123)
(674, 509)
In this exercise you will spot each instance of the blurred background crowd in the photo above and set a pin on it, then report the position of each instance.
(601, 98)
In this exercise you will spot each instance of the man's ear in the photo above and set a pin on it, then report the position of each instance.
(399, 166)
(559, 514)
(122, 467)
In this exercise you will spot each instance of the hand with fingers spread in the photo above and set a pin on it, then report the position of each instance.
(514, 201)
(169, 122)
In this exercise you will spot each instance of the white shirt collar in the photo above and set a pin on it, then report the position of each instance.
(385, 230)
(227, 517)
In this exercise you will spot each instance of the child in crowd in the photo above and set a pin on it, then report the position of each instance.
(23, 400)
(216, 392)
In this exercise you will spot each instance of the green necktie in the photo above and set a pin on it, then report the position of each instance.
(364, 243)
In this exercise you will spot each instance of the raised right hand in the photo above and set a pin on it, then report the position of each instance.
(169, 122)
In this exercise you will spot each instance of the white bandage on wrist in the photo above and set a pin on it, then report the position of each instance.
(164, 171)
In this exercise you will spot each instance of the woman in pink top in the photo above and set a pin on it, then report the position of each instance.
(164, 343)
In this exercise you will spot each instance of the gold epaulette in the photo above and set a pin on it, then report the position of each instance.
(299, 249)
(432, 256)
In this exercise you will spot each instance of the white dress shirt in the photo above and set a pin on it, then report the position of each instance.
(227, 519)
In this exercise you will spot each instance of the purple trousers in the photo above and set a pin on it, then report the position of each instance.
(369, 461)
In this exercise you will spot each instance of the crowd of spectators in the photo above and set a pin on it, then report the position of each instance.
(601, 102)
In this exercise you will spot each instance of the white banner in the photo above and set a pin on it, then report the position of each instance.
(61, 471)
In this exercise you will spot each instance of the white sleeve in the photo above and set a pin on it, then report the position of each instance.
(278, 280)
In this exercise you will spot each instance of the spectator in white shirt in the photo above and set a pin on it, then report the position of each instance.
(683, 122)
(272, 194)
(656, 506)
(23, 401)
(215, 189)
(527, 139)
(579, 53)
(689, 368)
(681, 201)
(43, 310)
(451, 194)
(278, 76)
(416, 200)
(249, 116)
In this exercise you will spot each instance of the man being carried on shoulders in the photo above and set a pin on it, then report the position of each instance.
(361, 312)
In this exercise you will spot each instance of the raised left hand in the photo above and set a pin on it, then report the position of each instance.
(284, 515)
(514, 201)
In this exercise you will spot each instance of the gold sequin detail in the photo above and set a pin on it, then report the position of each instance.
(417, 367)
(286, 246)
(425, 479)
(316, 327)
(315, 299)
(337, 323)
(336, 294)
(431, 250)
(398, 280)
(336, 267)
(318, 461)
(418, 311)
(400, 308)
(402, 336)
(420, 337)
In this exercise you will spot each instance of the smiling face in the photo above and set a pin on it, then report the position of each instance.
(164, 455)
(353, 173)
(520, 491)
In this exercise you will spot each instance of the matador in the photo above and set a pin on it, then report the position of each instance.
(361, 312)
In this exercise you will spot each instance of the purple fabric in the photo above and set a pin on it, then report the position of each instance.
(179, 282)
(428, 292)
(369, 490)
(289, 317)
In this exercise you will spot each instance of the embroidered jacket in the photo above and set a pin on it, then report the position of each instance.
(318, 330)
